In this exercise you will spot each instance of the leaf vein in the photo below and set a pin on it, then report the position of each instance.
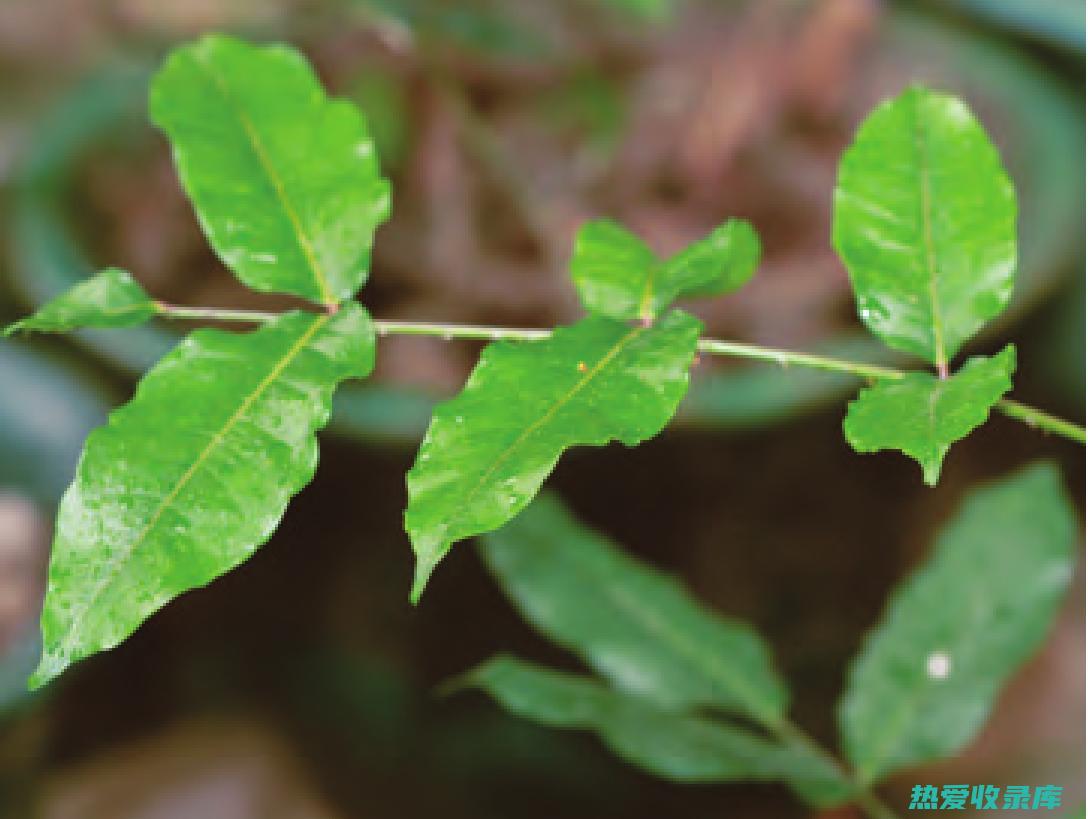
(202, 457)
(592, 373)
(926, 205)
(259, 150)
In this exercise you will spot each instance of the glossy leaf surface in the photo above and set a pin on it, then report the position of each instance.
(609, 267)
(618, 276)
(922, 415)
(721, 262)
(285, 181)
(636, 626)
(110, 298)
(193, 474)
(488, 450)
(952, 633)
(925, 222)
(678, 747)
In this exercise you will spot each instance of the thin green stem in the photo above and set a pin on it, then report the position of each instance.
(866, 798)
(1041, 420)
(212, 313)
(1014, 409)
(451, 331)
(788, 358)
(874, 806)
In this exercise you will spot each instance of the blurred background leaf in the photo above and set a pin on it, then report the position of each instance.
(675, 746)
(953, 631)
(634, 626)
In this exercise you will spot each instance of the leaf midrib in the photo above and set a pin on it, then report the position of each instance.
(128, 308)
(259, 150)
(745, 694)
(926, 205)
(122, 555)
(109, 312)
(894, 726)
(505, 455)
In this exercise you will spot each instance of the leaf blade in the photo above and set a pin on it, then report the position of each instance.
(925, 222)
(678, 747)
(485, 455)
(151, 516)
(958, 627)
(719, 263)
(922, 416)
(610, 266)
(110, 298)
(635, 626)
(284, 180)
(618, 276)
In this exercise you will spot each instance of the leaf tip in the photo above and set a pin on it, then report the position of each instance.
(424, 569)
(49, 668)
(456, 684)
(931, 465)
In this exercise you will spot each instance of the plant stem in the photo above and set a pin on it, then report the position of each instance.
(1014, 409)
(874, 807)
(787, 358)
(451, 331)
(865, 798)
(1041, 420)
(212, 313)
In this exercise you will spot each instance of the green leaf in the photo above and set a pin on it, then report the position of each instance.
(285, 181)
(673, 746)
(488, 450)
(922, 415)
(955, 630)
(618, 276)
(925, 222)
(610, 267)
(110, 298)
(720, 263)
(636, 626)
(191, 476)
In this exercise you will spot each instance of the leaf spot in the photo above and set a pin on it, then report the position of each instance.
(939, 665)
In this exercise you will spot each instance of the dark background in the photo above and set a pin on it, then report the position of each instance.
(302, 684)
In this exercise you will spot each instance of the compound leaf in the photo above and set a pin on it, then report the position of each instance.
(618, 276)
(285, 181)
(193, 474)
(678, 747)
(110, 298)
(922, 415)
(953, 632)
(925, 222)
(636, 626)
(488, 450)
